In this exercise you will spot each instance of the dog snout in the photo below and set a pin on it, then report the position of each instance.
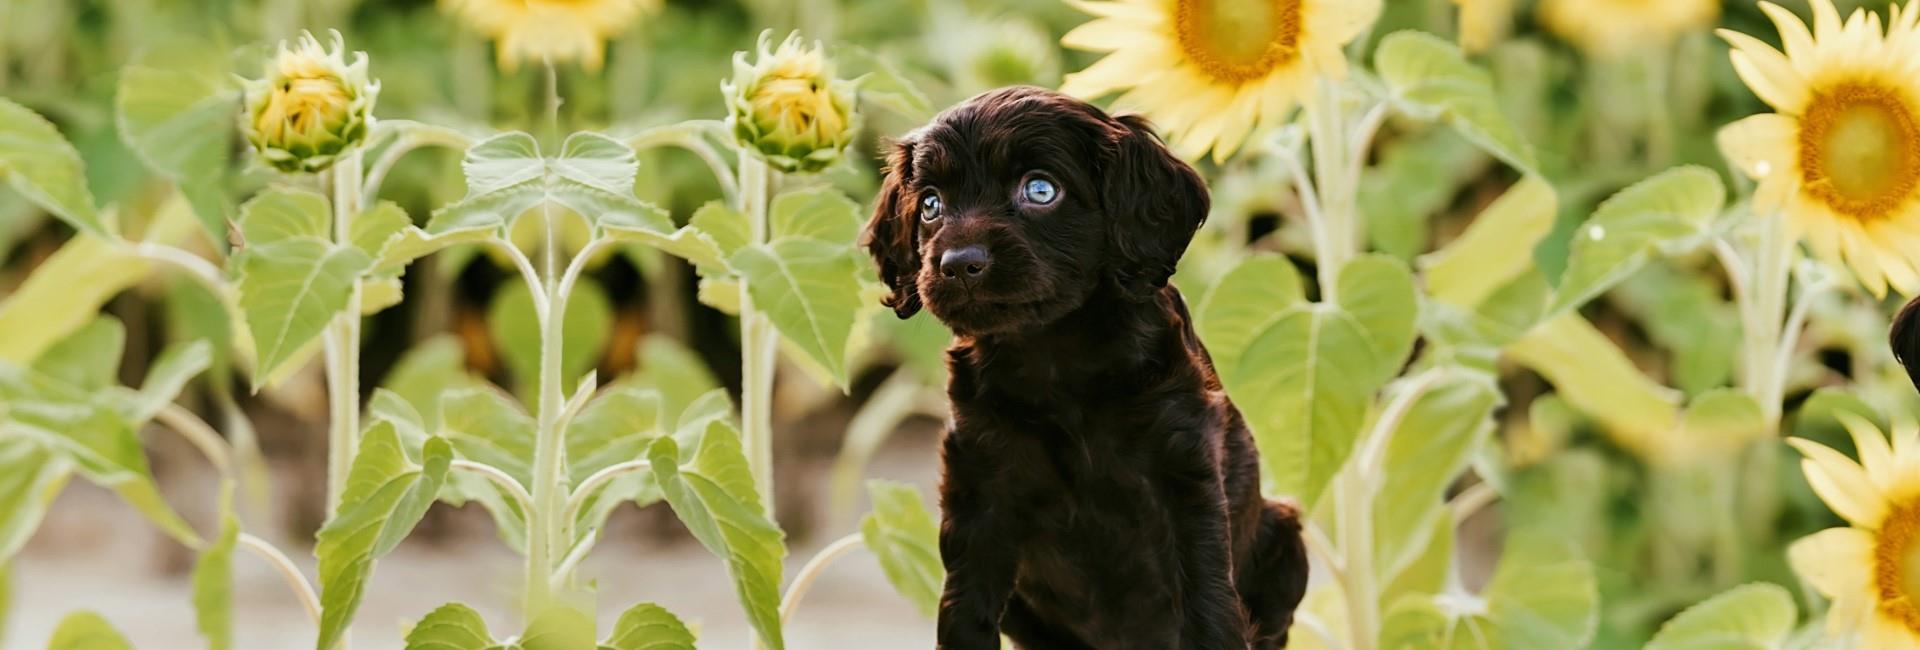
(966, 263)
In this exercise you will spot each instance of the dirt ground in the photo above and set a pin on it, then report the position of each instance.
(94, 553)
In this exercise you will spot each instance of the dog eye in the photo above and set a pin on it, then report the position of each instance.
(1039, 191)
(930, 207)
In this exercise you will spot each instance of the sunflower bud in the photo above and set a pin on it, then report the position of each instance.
(310, 107)
(789, 107)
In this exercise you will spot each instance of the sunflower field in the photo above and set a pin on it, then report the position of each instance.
(545, 324)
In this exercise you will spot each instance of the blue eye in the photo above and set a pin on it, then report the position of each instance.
(930, 207)
(1039, 191)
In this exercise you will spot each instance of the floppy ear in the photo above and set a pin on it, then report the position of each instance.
(1154, 202)
(893, 234)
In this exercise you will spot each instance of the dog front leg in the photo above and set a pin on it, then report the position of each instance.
(979, 553)
(1212, 611)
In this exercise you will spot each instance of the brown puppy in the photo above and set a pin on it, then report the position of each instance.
(1100, 491)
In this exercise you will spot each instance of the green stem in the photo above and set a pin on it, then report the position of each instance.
(1335, 172)
(758, 342)
(543, 525)
(1764, 312)
(1353, 515)
(1354, 521)
(342, 343)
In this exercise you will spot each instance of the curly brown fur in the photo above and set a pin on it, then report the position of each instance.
(1099, 489)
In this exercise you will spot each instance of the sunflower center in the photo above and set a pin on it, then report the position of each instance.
(1237, 42)
(1860, 149)
(1896, 564)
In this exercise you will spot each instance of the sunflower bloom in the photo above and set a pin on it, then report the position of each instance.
(1840, 156)
(1871, 569)
(1483, 23)
(550, 30)
(1213, 72)
(1614, 27)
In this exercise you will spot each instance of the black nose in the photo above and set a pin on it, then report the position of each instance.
(966, 262)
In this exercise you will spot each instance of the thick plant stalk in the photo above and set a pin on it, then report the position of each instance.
(758, 341)
(1764, 312)
(1336, 233)
(342, 343)
(544, 528)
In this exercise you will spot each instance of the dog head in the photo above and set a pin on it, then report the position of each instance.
(1014, 208)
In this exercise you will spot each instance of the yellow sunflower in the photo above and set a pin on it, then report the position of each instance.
(1871, 570)
(1615, 27)
(555, 30)
(1212, 72)
(1841, 154)
(1483, 23)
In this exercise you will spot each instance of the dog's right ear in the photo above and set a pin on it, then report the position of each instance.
(893, 234)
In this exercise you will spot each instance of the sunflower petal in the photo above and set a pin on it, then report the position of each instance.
(1767, 72)
(1105, 35)
(1838, 563)
(1761, 145)
(1875, 455)
(1119, 70)
(1842, 484)
(1793, 32)
(1128, 11)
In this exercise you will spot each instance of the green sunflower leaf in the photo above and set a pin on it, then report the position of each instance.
(1669, 211)
(1428, 77)
(86, 631)
(290, 290)
(39, 164)
(1756, 616)
(647, 626)
(452, 626)
(213, 579)
(177, 115)
(30, 477)
(713, 495)
(902, 534)
(809, 291)
(386, 495)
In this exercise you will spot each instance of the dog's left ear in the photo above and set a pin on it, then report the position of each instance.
(892, 235)
(1154, 202)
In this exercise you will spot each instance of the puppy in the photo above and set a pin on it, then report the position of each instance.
(1099, 489)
